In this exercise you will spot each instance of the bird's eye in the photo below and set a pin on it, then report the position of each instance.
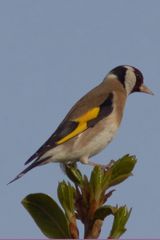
(139, 75)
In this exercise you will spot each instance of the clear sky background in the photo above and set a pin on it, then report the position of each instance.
(52, 53)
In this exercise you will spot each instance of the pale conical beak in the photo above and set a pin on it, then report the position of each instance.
(145, 89)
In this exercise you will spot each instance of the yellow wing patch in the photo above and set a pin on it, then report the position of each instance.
(93, 113)
(82, 126)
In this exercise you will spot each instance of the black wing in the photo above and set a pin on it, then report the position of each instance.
(69, 126)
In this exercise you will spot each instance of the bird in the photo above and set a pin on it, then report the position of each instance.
(92, 122)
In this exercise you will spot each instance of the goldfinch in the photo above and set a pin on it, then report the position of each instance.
(92, 122)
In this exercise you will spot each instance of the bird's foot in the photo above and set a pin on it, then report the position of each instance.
(109, 165)
(104, 167)
(65, 166)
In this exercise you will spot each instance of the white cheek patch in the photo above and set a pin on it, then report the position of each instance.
(130, 81)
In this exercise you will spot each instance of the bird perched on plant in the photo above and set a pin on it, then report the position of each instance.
(92, 122)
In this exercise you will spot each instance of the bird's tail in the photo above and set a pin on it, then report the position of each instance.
(33, 165)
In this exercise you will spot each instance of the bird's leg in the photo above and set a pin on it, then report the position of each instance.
(104, 166)
(109, 165)
(85, 160)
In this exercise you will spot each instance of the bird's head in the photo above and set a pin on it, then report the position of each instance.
(131, 79)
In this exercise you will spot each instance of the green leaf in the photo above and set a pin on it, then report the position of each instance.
(47, 215)
(120, 171)
(96, 180)
(66, 195)
(121, 217)
(73, 173)
(85, 191)
(102, 212)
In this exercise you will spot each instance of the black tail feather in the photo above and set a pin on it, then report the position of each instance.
(31, 158)
(33, 165)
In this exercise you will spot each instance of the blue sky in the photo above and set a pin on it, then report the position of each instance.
(52, 53)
